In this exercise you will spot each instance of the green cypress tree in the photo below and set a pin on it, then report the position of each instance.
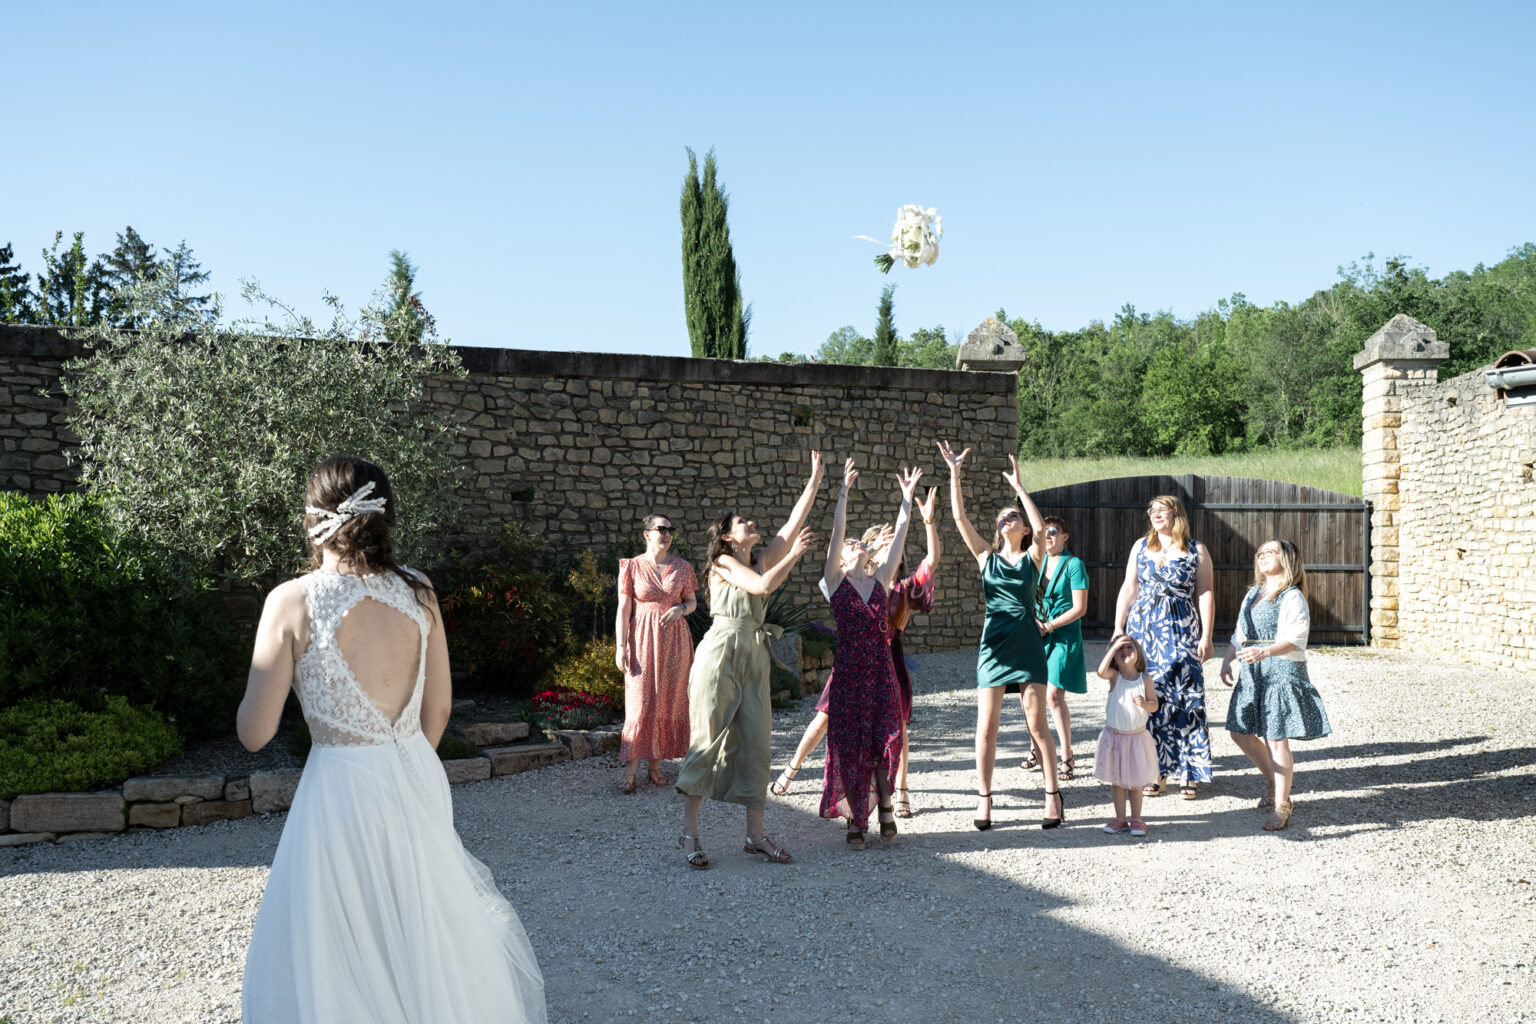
(180, 272)
(132, 262)
(886, 348)
(717, 320)
(405, 318)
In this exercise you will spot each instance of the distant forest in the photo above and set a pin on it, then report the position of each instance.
(1237, 377)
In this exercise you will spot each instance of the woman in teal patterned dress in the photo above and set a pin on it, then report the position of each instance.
(1011, 649)
(1167, 580)
(1275, 701)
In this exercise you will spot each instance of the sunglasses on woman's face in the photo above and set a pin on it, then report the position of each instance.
(669, 530)
(1051, 531)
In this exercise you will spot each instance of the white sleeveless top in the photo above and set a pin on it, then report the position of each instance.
(1120, 711)
(339, 712)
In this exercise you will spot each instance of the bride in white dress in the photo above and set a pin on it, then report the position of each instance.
(373, 912)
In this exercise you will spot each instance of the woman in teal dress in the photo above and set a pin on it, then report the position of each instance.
(1063, 602)
(1011, 648)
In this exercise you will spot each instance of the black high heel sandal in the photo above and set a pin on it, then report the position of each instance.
(887, 828)
(1053, 822)
(982, 824)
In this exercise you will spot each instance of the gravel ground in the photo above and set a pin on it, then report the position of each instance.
(1404, 890)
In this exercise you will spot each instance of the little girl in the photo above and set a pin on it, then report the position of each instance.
(1126, 756)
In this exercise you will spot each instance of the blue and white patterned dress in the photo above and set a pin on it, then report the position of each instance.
(1165, 622)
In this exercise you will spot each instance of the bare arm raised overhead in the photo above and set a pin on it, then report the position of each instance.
(761, 584)
(1031, 513)
(978, 547)
(931, 527)
(832, 574)
(784, 540)
(908, 481)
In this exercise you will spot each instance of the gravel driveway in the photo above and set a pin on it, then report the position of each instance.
(1405, 888)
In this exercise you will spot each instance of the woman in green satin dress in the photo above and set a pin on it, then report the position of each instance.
(1063, 603)
(1011, 649)
(729, 714)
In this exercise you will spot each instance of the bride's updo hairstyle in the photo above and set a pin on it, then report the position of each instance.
(362, 540)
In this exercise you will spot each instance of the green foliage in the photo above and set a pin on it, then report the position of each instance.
(86, 610)
(205, 438)
(590, 669)
(928, 349)
(847, 346)
(885, 347)
(817, 640)
(455, 748)
(15, 295)
(131, 263)
(49, 746)
(72, 289)
(572, 709)
(408, 319)
(591, 584)
(506, 622)
(712, 302)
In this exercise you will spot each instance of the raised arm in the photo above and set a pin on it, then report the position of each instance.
(1031, 513)
(1107, 669)
(931, 527)
(978, 547)
(763, 583)
(908, 481)
(832, 574)
(782, 541)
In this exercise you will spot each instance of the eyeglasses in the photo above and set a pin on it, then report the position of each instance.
(1155, 509)
(665, 529)
(1051, 531)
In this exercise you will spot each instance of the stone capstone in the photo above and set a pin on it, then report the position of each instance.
(991, 346)
(68, 812)
(271, 791)
(493, 734)
(214, 810)
(467, 769)
(522, 758)
(165, 788)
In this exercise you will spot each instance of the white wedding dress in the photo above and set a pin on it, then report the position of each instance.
(374, 912)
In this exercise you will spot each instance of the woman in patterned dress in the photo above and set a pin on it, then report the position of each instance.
(1167, 578)
(1011, 650)
(654, 650)
(730, 718)
(1275, 701)
(864, 706)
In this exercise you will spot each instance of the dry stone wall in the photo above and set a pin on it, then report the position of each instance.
(1448, 470)
(582, 446)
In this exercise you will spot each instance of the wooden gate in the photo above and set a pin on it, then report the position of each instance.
(1232, 516)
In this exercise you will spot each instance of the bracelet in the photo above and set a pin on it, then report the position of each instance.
(927, 522)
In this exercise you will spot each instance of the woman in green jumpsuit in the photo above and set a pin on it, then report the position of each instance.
(1011, 649)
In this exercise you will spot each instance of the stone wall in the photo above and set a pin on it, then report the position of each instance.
(1449, 471)
(582, 446)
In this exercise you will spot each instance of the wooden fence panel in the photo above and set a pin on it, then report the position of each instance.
(1232, 516)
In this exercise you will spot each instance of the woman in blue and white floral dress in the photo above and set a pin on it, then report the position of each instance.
(1167, 605)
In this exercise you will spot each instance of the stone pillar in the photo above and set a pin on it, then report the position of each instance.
(991, 346)
(1404, 354)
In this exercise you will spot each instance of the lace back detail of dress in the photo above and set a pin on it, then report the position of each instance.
(339, 712)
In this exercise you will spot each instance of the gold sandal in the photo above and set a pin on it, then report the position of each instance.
(1279, 817)
(775, 853)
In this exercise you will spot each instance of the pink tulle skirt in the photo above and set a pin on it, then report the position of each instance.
(1127, 759)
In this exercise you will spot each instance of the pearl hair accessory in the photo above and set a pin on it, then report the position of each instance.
(356, 504)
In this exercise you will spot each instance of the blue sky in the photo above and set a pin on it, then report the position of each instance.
(528, 157)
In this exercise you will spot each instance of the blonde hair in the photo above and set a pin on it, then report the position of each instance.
(1180, 529)
(1294, 573)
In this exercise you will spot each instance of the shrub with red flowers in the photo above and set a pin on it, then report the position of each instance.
(562, 708)
(505, 619)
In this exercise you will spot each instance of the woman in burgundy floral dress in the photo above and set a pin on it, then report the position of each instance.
(864, 709)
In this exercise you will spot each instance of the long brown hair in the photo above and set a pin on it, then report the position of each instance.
(1180, 529)
(718, 545)
(1295, 572)
(997, 533)
(363, 541)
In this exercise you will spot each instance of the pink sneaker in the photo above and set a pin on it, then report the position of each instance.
(1138, 827)
(1114, 825)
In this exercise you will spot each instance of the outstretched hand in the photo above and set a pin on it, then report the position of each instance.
(849, 474)
(804, 542)
(1011, 476)
(818, 465)
(950, 458)
(908, 479)
(926, 507)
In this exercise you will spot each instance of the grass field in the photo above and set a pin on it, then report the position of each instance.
(1335, 469)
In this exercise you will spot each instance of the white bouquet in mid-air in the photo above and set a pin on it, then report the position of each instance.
(914, 239)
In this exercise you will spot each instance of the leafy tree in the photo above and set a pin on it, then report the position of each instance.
(846, 345)
(179, 273)
(204, 438)
(885, 351)
(928, 349)
(72, 290)
(15, 297)
(717, 319)
(404, 302)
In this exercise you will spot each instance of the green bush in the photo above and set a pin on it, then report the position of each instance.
(85, 611)
(590, 670)
(454, 748)
(49, 746)
(506, 623)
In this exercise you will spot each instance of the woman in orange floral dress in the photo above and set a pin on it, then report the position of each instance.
(654, 650)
